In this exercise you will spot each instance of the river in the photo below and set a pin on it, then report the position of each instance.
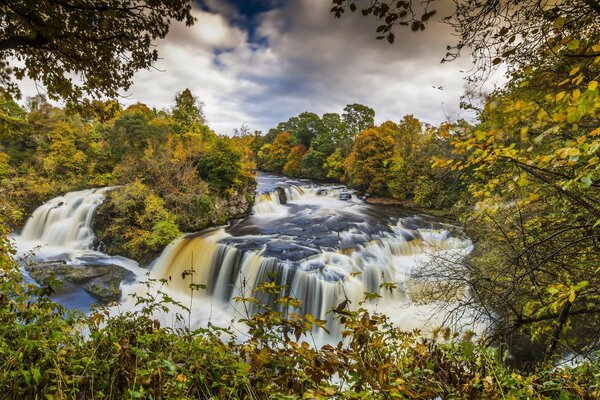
(320, 241)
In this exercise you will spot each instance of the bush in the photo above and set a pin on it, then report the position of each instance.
(221, 165)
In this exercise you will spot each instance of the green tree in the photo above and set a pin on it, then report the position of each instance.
(221, 165)
(357, 118)
(103, 41)
(188, 112)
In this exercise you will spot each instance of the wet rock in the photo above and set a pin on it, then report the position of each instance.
(106, 288)
(101, 281)
(282, 195)
(345, 196)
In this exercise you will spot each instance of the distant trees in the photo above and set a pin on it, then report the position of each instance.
(390, 159)
(103, 41)
(319, 136)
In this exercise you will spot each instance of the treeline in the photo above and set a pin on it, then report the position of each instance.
(174, 173)
(392, 159)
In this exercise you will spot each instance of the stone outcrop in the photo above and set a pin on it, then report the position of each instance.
(100, 280)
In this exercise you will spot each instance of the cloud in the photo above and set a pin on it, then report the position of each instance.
(262, 68)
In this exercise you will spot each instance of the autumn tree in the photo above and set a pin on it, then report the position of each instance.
(293, 166)
(103, 41)
(367, 166)
(278, 152)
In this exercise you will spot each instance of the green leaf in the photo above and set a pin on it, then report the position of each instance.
(586, 181)
(573, 44)
(37, 375)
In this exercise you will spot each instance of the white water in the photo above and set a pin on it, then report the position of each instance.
(324, 245)
(62, 230)
(65, 221)
(321, 281)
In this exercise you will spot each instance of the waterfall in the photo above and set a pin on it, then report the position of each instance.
(268, 204)
(66, 221)
(320, 282)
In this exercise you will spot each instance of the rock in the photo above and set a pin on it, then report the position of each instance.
(282, 195)
(106, 288)
(100, 280)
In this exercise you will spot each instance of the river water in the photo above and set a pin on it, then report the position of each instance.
(318, 241)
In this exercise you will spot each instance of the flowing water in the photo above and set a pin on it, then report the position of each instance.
(320, 242)
(62, 230)
(324, 245)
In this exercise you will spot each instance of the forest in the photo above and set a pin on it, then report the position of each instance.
(522, 180)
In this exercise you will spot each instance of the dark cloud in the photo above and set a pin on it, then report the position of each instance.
(261, 62)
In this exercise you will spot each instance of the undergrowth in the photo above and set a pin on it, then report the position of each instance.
(48, 352)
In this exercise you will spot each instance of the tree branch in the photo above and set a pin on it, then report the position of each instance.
(16, 42)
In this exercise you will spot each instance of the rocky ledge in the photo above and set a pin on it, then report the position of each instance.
(100, 280)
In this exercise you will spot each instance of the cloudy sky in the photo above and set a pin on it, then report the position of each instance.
(259, 62)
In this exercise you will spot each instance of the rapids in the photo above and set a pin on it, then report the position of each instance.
(319, 241)
(324, 245)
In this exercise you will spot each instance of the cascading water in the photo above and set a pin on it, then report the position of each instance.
(320, 248)
(66, 221)
(268, 204)
(320, 242)
(58, 237)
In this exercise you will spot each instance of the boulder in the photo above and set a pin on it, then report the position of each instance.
(100, 280)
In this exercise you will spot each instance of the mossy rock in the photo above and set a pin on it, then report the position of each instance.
(100, 280)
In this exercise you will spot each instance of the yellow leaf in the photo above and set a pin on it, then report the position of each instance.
(181, 378)
(560, 96)
(574, 71)
(572, 297)
(576, 94)
(592, 85)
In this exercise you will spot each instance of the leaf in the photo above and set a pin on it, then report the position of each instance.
(560, 95)
(559, 23)
(586, 182)
(592, 85)
(37, 375)
(573, 44)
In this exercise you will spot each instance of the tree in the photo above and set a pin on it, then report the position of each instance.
(494, 31)
(278, 152)
(367, 167)
(131, 133)
(357, 118)
(103, 41)
(293, 166)
(221, 165)
(188, 111)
